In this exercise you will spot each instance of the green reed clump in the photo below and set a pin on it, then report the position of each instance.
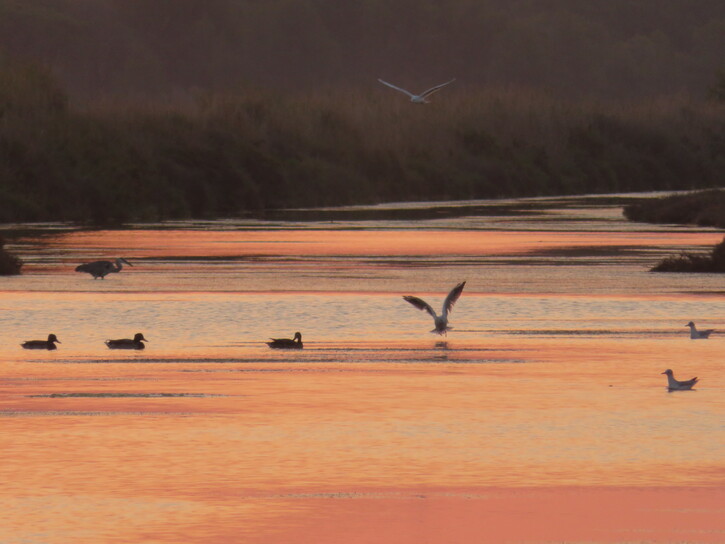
(704, 208)
(229, 154)
(693, 262)
(9, 264)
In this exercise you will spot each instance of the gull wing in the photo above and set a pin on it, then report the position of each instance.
(420, 304)
(452, 297)
(436, 88)
(411, 95)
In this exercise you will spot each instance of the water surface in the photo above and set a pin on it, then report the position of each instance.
(544, 405)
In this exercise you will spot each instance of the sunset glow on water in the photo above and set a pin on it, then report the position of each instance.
(542, 416)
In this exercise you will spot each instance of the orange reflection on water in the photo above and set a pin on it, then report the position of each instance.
(167, 243)
(539, 418)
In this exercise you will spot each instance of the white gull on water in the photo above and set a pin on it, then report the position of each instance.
(697, 335)
(677, 385)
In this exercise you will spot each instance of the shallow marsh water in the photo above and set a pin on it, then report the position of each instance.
(541, 417)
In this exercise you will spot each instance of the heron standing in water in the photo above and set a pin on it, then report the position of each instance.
(100, 269)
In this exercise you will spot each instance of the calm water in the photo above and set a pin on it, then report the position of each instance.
(377, 431)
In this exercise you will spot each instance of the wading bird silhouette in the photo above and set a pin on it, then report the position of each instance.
(441, 321)
(418, 98)
(100, 269)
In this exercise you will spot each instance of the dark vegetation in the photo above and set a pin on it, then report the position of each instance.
(574, 48)
(114, 111)
(227, 154)
(693, 262)
(704, 208)
(9, 264)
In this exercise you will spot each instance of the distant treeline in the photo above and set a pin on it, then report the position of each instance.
(611, 49)
(227, 154)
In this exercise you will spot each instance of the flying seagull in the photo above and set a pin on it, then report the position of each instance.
(677, 385)
(100, 269)
(418, 98)
(441, 321)
(42, 344)
(695, 334)
(286, 343)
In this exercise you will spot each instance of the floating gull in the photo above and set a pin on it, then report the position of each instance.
(677, 385)
(42, 344)
(286, 343)
(100, 269)
(127, 343)
(441, 321)
(418, 98)
(695, 334)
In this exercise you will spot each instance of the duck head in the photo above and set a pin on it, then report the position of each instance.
(138, 337)
(53, 338)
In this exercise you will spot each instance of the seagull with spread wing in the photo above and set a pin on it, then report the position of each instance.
(418, 98)
(441, 321)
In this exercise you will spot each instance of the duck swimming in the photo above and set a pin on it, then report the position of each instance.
(42, 344)
(286, 343)
(127, 343)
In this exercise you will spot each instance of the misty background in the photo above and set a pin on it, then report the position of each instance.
(613, 49)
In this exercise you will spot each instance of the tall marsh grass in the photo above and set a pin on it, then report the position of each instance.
(223, 155)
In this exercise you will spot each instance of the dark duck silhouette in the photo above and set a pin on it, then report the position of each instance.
(127, 343)
(286, 343)
(42, 344)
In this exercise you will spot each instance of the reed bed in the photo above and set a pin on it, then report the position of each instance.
(233, 153)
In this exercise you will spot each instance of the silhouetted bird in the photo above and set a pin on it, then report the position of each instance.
(42, 344)
(441, 321)
(697, 335)
(677, 385)
(286, 343)
(127, 343)
(418, 98)
(100, 269)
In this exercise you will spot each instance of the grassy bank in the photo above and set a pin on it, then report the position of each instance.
(693, 262)
(226, 155)
(9, 264)
(704, 208)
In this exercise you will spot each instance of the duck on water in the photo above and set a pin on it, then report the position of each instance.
(126, 343)
(286, 343)
(42, 344)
